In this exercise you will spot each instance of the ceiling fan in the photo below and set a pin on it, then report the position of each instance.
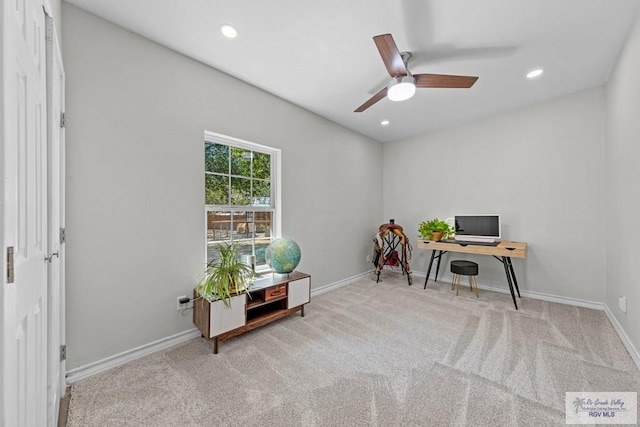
(403, 84)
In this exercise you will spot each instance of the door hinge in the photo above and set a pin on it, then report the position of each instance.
(63, 235)
(63, 352)
(10, 264)
(63, 120)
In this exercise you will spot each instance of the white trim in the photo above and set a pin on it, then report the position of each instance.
(86, 371)
(339, 284)
(237, 142)
(105, 364)
(548, 297)
(529, 294)
(94, 368)
(633, 351)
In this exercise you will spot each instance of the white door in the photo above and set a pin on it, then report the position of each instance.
(55, 213)
(24, 210)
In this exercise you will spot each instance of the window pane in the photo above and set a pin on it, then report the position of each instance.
(218, 230)
(216, 157)
(238, 181)
(261, 165)
(262, 235)
(263, 224)
(245, 247)
(243, 225)
(261, 247)
(261, 193)
(216, 190)
(240, 191)
(241, 162)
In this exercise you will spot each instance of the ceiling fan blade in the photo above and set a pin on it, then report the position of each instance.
(375, 98)
(444, 81)
(390, 55)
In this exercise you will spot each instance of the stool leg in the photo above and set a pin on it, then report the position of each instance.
(475, 285)
(453, 281)
(457, 284)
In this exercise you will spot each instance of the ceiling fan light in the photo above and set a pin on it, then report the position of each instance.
(401, 88)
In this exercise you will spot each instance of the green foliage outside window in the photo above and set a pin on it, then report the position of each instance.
(236, 176)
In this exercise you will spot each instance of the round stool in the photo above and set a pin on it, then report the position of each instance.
(464, 268)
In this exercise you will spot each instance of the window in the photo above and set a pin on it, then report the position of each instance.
(241, 195)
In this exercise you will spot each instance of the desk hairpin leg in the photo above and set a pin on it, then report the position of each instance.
(513, 275)
(505, 262)
(433, 256)
(438, 266)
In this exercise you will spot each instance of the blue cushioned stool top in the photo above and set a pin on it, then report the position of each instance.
(464, 268)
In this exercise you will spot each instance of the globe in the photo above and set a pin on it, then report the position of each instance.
(283, 255)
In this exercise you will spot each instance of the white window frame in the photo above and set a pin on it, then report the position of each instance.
(276, 202)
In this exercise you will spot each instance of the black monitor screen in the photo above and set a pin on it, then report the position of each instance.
(478, 225)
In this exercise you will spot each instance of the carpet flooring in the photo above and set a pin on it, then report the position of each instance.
(374, 354)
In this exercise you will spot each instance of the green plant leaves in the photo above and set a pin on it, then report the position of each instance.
(225, 275)
(427, 228)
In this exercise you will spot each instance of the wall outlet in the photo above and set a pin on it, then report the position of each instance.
(622, 304)
(182, 306)
(368, 258)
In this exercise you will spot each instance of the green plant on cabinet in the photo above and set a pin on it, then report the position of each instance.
(225, 276)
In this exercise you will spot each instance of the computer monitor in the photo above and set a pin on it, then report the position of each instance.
(478, 228)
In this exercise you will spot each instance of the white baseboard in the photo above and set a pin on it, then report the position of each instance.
(126, 356)
(111, 362)
(529, 294)
(90, 369)
(339, 284)
(633, 351)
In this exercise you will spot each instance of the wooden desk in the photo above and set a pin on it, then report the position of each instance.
(503, 252)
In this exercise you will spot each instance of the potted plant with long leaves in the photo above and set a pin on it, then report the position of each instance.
(435, 229)
(225, 276)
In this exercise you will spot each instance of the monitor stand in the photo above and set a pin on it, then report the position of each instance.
(475, 239)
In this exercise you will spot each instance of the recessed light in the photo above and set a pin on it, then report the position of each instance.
(229, 31)
(535, 73)
(385, 123)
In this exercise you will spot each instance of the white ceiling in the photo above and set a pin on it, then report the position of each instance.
(320, 54)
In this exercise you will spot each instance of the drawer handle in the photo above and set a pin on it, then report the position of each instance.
(277, 293)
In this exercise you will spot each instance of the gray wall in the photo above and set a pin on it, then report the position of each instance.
(540, 167)
(135, 188)
(622, 200)
(556, 172)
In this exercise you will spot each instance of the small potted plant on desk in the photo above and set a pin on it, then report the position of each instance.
(225, 276)
(435, 229)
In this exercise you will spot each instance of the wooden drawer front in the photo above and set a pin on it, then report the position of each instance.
(275, 292)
